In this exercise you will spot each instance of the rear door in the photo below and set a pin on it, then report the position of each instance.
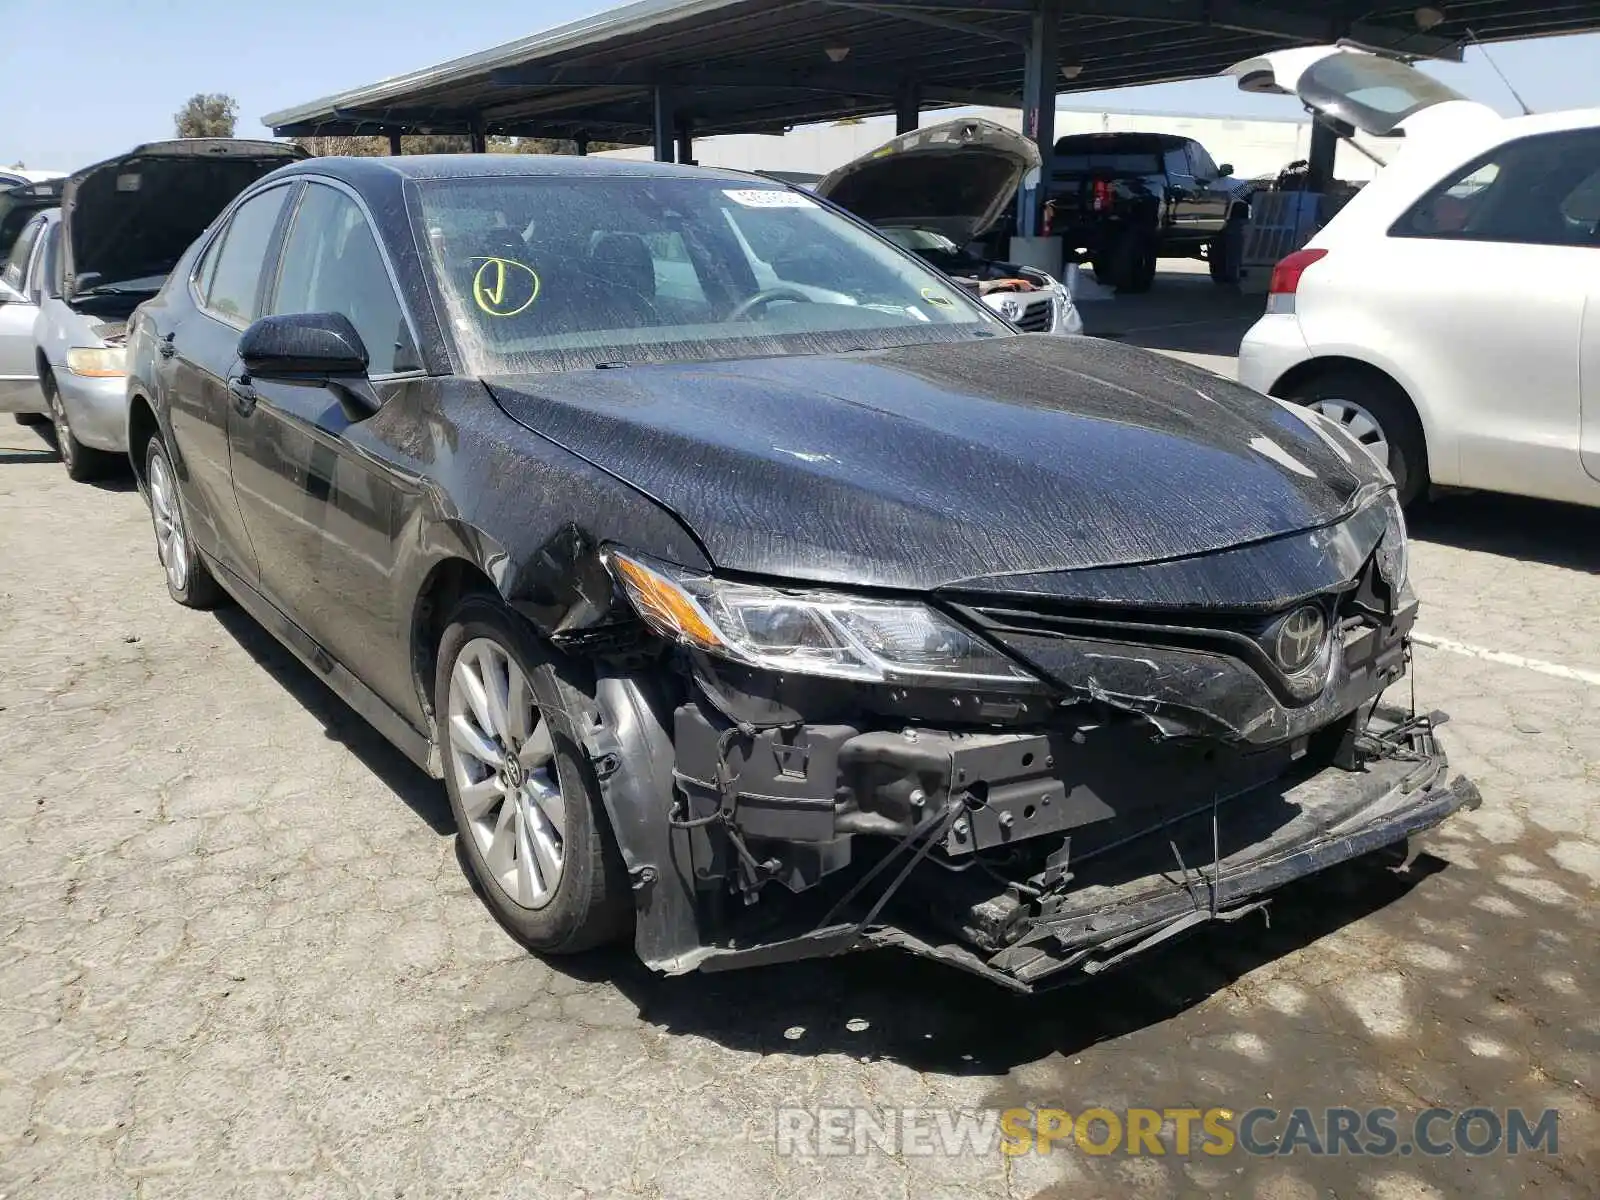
(1480, 291)
(203, 355)
(19, 372)
(320, 506)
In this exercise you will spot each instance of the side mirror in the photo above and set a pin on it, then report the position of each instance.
(1224, 170)
(310, 348)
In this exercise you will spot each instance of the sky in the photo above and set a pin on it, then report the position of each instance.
(82, 80)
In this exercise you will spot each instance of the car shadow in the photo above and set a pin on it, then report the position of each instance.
(1183, 313)
(1558, 535)
(424, 796)
(887, 1006)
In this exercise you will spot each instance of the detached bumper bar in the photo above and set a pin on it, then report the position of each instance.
(1145, 893)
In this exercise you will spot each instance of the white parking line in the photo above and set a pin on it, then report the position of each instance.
(1577, 674)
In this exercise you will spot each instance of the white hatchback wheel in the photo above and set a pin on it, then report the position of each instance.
(1358, 422)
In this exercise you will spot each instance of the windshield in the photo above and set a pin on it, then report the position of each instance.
(1374, 94)
(544, 273)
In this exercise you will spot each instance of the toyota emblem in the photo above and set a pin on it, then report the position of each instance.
(1300, 639)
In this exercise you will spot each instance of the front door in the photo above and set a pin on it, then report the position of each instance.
(321, 509)
(202, 356)
(19, 372)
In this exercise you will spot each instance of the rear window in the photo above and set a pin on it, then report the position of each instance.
(1120, 164)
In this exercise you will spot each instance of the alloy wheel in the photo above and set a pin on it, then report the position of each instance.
(172, 546)
(505, 773)
(1359, 422)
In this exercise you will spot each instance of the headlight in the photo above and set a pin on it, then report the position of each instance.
(103, 362)
(1394, 556)
(810, 632)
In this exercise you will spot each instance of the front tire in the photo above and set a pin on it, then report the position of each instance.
(189, 581)
(1376, 412)
(83, 463)
(529, 817)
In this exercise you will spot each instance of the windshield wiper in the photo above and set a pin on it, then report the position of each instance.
(115, 289)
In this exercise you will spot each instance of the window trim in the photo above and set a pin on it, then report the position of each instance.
(338, 185)
(1448, 180)
(20, 287)
(219, 229)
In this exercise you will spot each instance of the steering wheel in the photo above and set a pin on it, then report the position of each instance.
(764, 297)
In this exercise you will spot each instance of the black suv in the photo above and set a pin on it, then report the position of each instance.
(1122, 200)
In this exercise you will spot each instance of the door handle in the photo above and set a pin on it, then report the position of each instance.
(244, 396)
(165, 348)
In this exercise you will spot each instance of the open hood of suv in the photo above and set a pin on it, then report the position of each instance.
(133, 216)
(955, 178)
(1378, 96)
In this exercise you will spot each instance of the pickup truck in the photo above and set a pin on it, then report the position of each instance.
(1121, 201)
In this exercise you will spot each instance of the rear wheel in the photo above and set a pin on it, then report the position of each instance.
(83, 463)
(525, 797)
(1378, 414)
(1131, 262)
(188, 579)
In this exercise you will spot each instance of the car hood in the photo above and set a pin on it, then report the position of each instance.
(955, 178)
(134, 215)
(926, 466)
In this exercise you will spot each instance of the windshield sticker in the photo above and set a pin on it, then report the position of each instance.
(767, 198)
(503, 287)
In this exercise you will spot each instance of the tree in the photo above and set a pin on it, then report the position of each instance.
(360, 146)
(207, 114)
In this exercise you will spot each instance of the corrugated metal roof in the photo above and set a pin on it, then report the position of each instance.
(764, 65)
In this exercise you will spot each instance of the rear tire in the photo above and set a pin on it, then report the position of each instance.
(189, 581)
(1132, 262)
(529, 818)
(1226, 254)
(83, 463)
(1378, 413)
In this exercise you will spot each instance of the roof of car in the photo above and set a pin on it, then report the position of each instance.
(472, 166)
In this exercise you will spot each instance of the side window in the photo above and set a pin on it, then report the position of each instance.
(1177, 164)
(331, 263)
(15, 274)
(1542, 190)
(235, 280)
(1204, 168)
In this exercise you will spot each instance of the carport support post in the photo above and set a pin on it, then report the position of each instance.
(907, 107)
(1320, 158)
(686, 140)
(480, 140)
(663, 123)
(394, 142)
(1039, 113)
(581, 142)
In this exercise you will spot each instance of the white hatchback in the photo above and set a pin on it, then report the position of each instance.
(1449, 315)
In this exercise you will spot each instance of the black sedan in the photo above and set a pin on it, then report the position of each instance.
(754, 589)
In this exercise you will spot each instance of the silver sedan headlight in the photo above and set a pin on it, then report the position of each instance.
(811, 632)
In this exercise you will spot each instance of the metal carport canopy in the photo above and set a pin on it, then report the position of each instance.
(729, 66)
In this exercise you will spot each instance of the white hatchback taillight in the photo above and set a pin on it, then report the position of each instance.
(1286, 275)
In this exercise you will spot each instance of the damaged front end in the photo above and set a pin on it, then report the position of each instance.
(1027, 784)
